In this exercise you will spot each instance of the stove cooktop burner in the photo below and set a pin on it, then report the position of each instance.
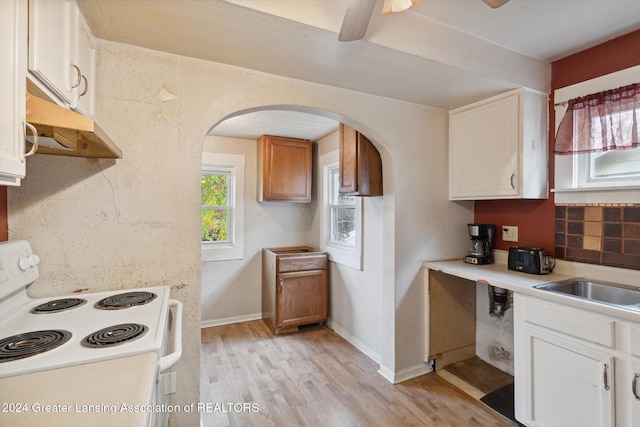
(115, 335)
(31, 343)
(58, 305)
(128, 299)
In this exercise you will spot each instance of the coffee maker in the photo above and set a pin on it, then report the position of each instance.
(481, 244)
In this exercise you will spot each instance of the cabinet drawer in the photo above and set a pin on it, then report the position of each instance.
(302, 263)
(577, 323)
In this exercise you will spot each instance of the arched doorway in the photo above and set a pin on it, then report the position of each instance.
(231, 289)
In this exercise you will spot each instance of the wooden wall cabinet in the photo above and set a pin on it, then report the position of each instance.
(294, 287)
(360, 164)
(498, 148)
(284, 169)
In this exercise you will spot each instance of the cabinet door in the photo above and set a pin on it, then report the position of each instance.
(484, 150)
(567, 384)
(84, 59)
(13, 68)
(301, 298)
(285, 165)
(634, 380)
(348, 159)
(360, 164)
(50, 46)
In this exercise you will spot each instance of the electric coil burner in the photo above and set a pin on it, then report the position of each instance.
(31, 343)
(94, 327)
(58, 305)
(125, 300)
(115, 335)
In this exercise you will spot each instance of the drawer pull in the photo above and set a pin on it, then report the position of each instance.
(605, 374)
(634, 386)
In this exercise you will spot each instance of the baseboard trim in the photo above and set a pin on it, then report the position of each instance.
(354, 341)
(411, 372)
(230, 320)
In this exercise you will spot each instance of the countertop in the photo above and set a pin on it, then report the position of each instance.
(498, 275)
(92, 394)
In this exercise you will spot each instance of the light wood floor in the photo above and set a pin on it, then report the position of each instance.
(316, 378)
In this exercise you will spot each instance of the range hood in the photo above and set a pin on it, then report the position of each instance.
(65, 132)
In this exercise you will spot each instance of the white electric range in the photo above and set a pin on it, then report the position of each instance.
(40, 334)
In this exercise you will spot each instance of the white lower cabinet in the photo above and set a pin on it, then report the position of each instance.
(574, 367)
(631, 382)
(569, 384)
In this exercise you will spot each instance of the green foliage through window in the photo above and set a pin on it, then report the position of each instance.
(215, 206)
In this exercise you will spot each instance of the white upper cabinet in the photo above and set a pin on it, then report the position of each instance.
(62, 54)
(498, 148)
(13, 68)
(84, 57)
(50, 47)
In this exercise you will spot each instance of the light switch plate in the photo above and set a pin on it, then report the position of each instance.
(509, 233)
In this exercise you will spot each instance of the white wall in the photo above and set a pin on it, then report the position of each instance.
(135, 221)
(232, 290)
(355, 296)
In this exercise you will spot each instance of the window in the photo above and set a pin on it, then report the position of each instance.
(342, 213)
(222, 206)
(615, 165)
(216, 193)
(604, 175)
(343, 222)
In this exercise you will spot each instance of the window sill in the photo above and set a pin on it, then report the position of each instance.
(224, 253)
(608, 195)
(344, 257)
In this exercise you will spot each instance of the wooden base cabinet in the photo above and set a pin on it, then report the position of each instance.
(294, 287)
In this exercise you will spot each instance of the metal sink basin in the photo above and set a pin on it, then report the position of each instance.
(599, 291)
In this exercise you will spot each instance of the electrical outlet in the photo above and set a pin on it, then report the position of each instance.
(509, 233)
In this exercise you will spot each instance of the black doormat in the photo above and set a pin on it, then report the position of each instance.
(501, 401)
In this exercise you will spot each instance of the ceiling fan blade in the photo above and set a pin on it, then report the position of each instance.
(495, 3)
(356, 20)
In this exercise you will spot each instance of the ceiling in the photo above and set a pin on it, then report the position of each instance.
(441, 53)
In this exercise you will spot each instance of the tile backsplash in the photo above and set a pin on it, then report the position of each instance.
(606, 235)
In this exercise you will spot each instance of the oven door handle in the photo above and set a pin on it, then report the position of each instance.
(170, 359)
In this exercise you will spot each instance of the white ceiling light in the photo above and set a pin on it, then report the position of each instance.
(392, 6)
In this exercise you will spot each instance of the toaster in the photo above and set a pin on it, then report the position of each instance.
(530, 260)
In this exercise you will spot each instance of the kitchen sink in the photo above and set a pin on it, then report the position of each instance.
(624, 296)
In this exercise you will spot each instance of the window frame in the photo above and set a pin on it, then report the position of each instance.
(232, 165)
(340, 253)
(572, 172)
